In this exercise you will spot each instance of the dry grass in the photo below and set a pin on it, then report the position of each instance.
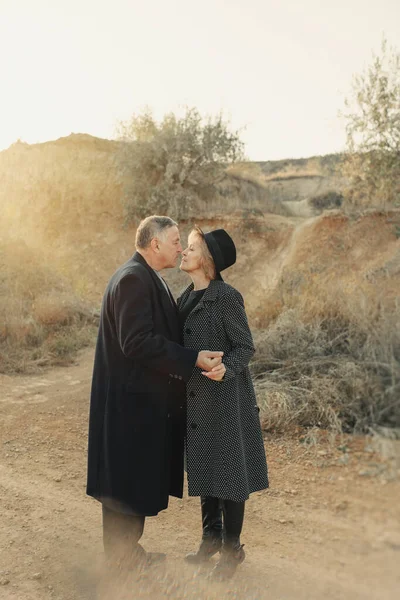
(340, 372)
(59, 188)
(236, 192)
(292, 174)
(254, 173)
(42, 322)
(262, 173)
(329, 340)
(300, 187)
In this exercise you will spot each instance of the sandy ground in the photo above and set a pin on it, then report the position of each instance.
(329, 527)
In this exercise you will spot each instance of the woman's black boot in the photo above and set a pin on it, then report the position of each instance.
(232, 553)
(211, 542)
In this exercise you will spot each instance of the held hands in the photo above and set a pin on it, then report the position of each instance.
(208, 361)
(217, 374)
(211, 363)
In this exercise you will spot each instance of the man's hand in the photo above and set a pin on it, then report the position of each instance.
(207, 360)
(217, 374)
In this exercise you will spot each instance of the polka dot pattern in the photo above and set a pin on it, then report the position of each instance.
(224, 445)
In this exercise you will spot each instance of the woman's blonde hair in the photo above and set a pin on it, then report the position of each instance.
(207, 261)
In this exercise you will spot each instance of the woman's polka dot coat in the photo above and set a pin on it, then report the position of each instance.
(224, 445)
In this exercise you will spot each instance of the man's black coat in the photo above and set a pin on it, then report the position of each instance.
(137, 416)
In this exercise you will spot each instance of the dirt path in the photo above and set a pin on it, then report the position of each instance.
(329, 527)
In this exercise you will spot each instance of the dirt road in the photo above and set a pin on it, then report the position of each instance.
(329, 527)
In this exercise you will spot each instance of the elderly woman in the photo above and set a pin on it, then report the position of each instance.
(224, 446)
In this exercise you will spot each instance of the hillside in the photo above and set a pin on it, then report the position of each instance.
(66, 199)
(321, 288)
(50, 189)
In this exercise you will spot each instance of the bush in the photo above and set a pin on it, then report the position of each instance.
(327, 201)
(372, 163)
(42, 322)
(334, 373)
(169, 163)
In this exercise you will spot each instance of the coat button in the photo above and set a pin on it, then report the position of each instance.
(193, 425)
(188, 331)
(192, 394)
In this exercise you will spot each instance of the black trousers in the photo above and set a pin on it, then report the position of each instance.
(222, 518)
(121, 535)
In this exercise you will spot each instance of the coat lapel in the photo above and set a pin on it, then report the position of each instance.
(210, 295)
(166, 300)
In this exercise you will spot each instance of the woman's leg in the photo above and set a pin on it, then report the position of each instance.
(233, 521)
(211, 542)
(232, 553)
(211, 515)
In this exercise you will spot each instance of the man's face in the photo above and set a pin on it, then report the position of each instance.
(170, 247)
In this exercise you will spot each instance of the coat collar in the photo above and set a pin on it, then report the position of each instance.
(169, 305)
(210, 295)
(137, 257)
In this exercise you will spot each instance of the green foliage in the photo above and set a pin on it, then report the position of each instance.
(327, 201)
(372, 164)
(167, 165)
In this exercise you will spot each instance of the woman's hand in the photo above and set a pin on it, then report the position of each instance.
(217, 373)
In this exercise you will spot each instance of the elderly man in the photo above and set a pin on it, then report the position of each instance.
(137, 408)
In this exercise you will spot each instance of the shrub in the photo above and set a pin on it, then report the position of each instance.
(372, 163)
(41, 319)
(169, 163)
(326, 201)
(338, 373)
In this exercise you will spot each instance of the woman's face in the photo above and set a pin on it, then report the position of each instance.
(192, 255)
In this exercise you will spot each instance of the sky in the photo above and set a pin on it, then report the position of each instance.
(278, 69)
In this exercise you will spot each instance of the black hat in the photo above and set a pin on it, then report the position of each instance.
(222, 249)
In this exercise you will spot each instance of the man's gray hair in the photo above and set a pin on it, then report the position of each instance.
(151, 227)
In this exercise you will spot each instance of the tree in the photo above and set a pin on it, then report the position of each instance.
(372, 163)
(170, 166)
